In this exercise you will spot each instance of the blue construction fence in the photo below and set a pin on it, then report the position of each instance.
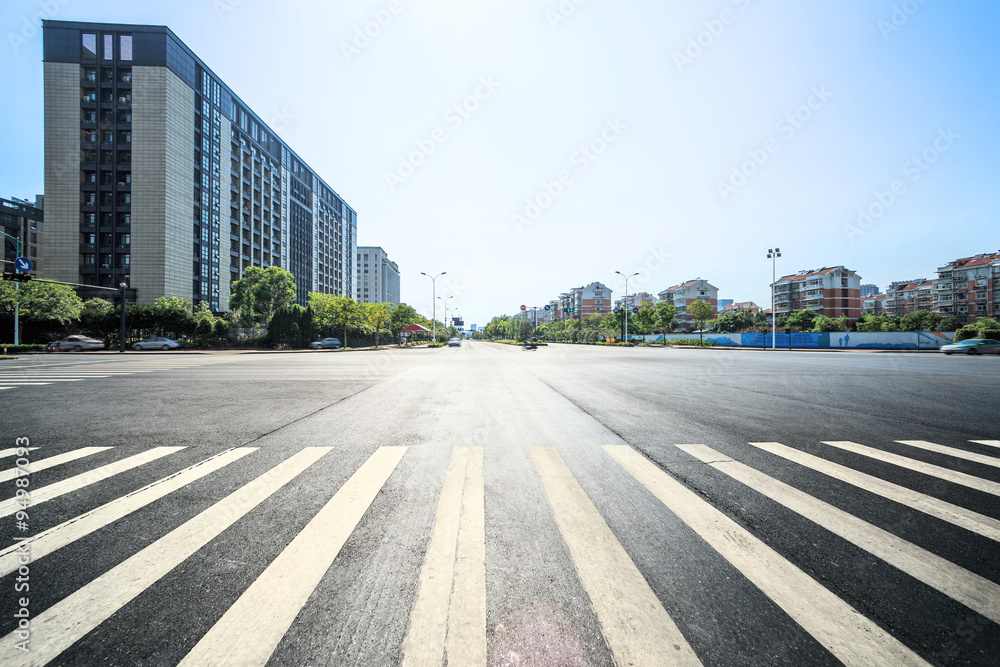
(832, 340)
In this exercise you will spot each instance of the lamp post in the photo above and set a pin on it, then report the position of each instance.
(625, 300)
(433, 303)
(773, 254)
(445, 300)
(18, 247)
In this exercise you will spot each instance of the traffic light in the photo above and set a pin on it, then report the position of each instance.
(20, 277)
(569, 310)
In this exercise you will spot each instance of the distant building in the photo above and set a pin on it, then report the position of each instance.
(594, 299)
(869, 289)
(907, 296)
(687, 293)
(635, 300)
(873, 304)
(378, 277)
(22, 219)
(830, 291)
(725, 303)
(967, 287)
(737, 307)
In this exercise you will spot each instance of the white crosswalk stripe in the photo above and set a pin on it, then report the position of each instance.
(50, 462)
(42, 375)
(952, 451)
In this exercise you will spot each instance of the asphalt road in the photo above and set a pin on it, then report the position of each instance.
(487, 505)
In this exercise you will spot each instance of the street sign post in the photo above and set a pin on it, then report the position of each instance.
(23, 264)
(523, 307)
(635, 310)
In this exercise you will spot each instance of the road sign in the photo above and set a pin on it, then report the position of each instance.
(22, 264)
(523, 307)
(635, 310)
(617, 310)
(547, 306)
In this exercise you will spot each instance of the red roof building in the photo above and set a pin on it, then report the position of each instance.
(967, 288)
(830, 291)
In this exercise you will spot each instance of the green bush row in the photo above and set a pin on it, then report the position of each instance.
(14, 349)
(695, 343)
(970, 331)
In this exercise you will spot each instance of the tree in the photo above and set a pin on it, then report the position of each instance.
(702, 312)
(376, 317)
(41, 301)
(260, 293)
(824, 323)
(800, 320)
(666, 315)
(735, 322)
(335, 314)
(401, 317)
(645, 319)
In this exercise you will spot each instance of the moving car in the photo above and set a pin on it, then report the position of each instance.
(157, 343)
(325, 344)
(973, 346)
(454, 342)
(77, 344)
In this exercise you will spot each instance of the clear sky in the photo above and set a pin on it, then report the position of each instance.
(530, 146)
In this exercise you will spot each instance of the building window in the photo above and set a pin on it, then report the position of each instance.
(109, 47)
(89, 45)
(125, 50)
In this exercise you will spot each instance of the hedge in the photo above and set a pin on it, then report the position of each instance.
(14, 349)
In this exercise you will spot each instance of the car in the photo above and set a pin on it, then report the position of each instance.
(77, 344)
(973, 346)
(325, 344)
(454, 342)
(157, 343)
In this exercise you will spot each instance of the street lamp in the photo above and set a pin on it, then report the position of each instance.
(773, 255)
(445, 311)
(625, 300)
(433, 303)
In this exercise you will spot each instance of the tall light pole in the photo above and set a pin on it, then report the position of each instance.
(625, 300)
(445, 311)
(773, 254)
(433, 303)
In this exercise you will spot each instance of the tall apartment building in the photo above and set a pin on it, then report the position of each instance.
(968, 288)
(830, 291)
(23, 220)
(593, 299)
(157, 175)
(907, 296)
(378, 277)
(687, 293)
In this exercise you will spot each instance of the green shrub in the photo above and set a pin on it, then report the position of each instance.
(965, 333)
(14, 349)
(696, 343)
(991, 333)
(435, 345)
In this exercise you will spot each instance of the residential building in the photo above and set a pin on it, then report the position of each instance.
(725, 303)
(685, 294)
(739, 306)
(593, 299)
(907, 296)
(873, 304)
(968, 288)
(830, 291)
(868, 289)
(159, 176)
(23, 220)
(635, 300)
(378, 276)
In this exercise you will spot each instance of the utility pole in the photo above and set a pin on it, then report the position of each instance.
(773, 254)
(18, 247)
(433, 303)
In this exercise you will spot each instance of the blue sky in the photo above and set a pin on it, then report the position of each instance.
(677, 140)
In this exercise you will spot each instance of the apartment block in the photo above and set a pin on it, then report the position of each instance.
(593, 299)
(738, 306)
(378, 276)
(687, 293)
(907, 296)
(830, 291)
(873, 304)
(23, 220)
(159, 176)
(635, 300)
(869, 289)
(967, 288)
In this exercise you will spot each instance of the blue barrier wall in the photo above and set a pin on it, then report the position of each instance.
(834, 340)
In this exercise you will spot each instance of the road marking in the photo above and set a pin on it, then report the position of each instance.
(975, 592)
(51, 461)
(44, 543)
(946, 474)
(635, 625)
(44, 493)
(10, 385)
(4, 453)
(951, 451)
(846, 633)
(954, 514)
(62, 624)
(449, 616)
(251, 629)
(991, 443)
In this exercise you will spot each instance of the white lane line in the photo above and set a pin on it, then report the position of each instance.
(10, 385)
(449, 616)
(975, 592)
(951, 451)
(850, 636)
(51, 461)
(4, 453)
(954, 514)
(635, 625)
(990, 443)
(251, 629)
(946, 474)
(41, 494)
(44, 543)
(65, 622)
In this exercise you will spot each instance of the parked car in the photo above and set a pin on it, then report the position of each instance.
(454, 342)
(157, 343)
(973, 346)
(325, 344)
(76, 343)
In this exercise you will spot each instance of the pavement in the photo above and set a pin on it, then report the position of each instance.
(571, 505)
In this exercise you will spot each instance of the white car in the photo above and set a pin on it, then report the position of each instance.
(157, 343)
(77, 344)
(454, 342)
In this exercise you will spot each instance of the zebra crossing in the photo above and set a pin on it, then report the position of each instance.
(45, 374)
(448, 618)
